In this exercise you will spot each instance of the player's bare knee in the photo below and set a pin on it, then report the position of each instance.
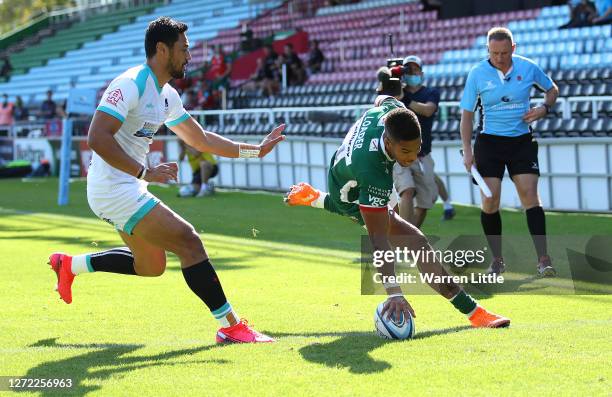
(490, 204)
(189, 242)
(528, 204)
(408, 194)
(530, 198)
(153, 272)
(152, 268)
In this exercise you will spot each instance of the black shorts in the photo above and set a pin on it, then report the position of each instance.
(196, 178)
(493, 154)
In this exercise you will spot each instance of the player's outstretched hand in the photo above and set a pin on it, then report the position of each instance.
(271, 140)
(534, 114)
(397, 305)
(162, 173)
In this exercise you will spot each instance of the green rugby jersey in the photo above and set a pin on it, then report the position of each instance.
(361, 172)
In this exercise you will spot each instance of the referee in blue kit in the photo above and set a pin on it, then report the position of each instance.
(502, 84)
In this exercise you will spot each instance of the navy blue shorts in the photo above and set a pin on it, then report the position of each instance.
(493, 154)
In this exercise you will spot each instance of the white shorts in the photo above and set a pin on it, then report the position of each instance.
(122, 204)
(420, 176)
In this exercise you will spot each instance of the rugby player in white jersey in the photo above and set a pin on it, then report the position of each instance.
(131, 110)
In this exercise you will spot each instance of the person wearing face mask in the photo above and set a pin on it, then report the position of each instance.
(416, 184)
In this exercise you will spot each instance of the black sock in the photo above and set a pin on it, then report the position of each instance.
(203, 281)
(492, 227)
(116, 260)
(536, 221)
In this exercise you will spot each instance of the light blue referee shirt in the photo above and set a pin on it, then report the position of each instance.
(504, 98)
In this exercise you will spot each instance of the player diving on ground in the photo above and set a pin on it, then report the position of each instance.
(360, 183)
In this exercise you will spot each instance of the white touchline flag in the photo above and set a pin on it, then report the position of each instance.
(481, 182)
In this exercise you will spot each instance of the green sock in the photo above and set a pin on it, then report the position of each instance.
(464, 303)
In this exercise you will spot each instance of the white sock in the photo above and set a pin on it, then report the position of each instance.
(320, 201)
(203, 187)
(447, 205)
(81, 264)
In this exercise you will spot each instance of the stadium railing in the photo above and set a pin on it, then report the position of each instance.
(287, 112)
(574, 170)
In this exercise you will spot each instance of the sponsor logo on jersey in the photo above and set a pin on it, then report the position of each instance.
(147, 130)
(377, 191)
(362, 130)
(519, 77)
(376, 201)
(374, 145)
(489, 85)
(114, 97)
(505, 99)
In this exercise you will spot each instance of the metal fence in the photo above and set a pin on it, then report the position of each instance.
(269, 115)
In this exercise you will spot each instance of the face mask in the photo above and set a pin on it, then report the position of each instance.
(413, 80)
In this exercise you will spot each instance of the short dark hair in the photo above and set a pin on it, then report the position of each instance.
(163, 29)
(402, 125)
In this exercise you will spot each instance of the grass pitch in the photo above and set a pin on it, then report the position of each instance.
(291, 272)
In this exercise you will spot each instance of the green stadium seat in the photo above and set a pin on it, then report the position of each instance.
(72, 38)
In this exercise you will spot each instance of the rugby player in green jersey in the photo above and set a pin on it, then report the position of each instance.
(360, 185)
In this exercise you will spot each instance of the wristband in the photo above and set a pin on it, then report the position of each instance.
(244, 153)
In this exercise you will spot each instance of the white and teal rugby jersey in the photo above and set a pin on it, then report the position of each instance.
(136, 99)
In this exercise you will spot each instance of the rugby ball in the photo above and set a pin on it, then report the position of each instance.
(392, 328)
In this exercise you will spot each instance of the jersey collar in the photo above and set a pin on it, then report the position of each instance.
(159, 89)
(502, 77)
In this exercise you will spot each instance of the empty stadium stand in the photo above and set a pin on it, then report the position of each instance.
(354, 46)
(106, 52)
(353, 38)
(72, 38)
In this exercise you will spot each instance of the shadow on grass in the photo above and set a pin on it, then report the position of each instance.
(63, 241)
(108, 360)
(351, 349)
(223, 263)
